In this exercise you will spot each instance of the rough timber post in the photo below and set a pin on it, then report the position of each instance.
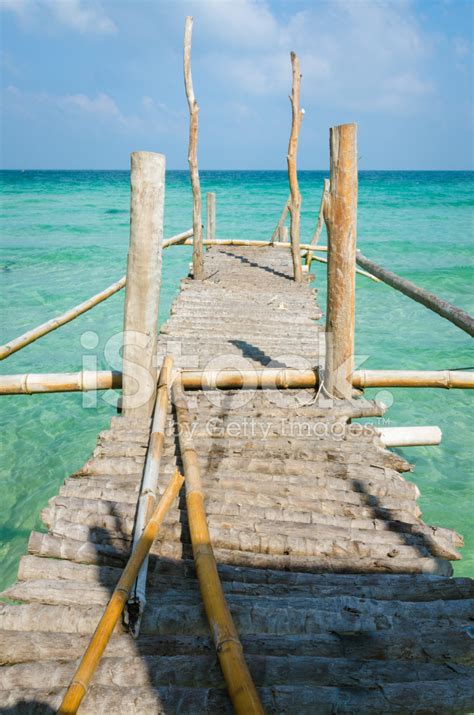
(283, 234)
(210, 216)
(142, 293)
(198, 260)
(295, 196)
(319, 224)
(340, 213)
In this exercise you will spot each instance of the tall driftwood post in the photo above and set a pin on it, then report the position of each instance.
(340, 213)
(198, 260)
(295, 201)
(211, 216)
(142, 293)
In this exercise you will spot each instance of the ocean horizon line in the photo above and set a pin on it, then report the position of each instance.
(259, 171)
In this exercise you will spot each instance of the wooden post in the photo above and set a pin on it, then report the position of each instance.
(198, 259)
(211, 216)
(283, 234)
(281, 220)
(295, 202)
(142, 294)
(319, 225)
(340, 213)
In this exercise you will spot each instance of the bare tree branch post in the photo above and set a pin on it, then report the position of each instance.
(340, 214)
(198, 261)
(295, 202)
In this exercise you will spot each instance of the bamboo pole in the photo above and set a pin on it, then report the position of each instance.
(319, 224)
(357, 270)
(254, 244)
(281, 378)
(295, 202)
(242, 691)
(458, 317)
(83, 381)
(146, 502)
(270, 378)
(414, 378)
(211, 216)
(198, 259)
(179, 238)
(142, 294)
(84, 673)
(50, 325)
(409, 436)
(340, 213)
(281, 220)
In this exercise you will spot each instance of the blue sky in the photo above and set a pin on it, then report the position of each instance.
(85, 82)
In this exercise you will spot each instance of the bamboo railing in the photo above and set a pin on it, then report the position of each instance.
(85, 671)
(455, 315)
(146, 501)
(240, 686)
(31, 335)
(266, 378)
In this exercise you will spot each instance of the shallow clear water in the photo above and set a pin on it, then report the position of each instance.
(65, 237)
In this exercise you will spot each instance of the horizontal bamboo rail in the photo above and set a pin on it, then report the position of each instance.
(242, 242)
(146, 501)
(414, 378)
(458, 317)
(267, 378)
(281, 378)
(82, 677)
(83, 381)
(31, 335)
(240, 686)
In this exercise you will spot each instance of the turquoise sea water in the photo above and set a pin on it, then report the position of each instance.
(65, 237)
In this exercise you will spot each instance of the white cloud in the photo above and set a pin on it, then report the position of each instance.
(100, 111)
(354, 55)
(102, 105)
(100, 108)
(83, 16)
(238, 23)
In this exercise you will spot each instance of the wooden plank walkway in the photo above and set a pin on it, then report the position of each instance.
(341, 594)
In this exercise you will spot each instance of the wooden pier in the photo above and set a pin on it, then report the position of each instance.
(341, 595)
(238, 541)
